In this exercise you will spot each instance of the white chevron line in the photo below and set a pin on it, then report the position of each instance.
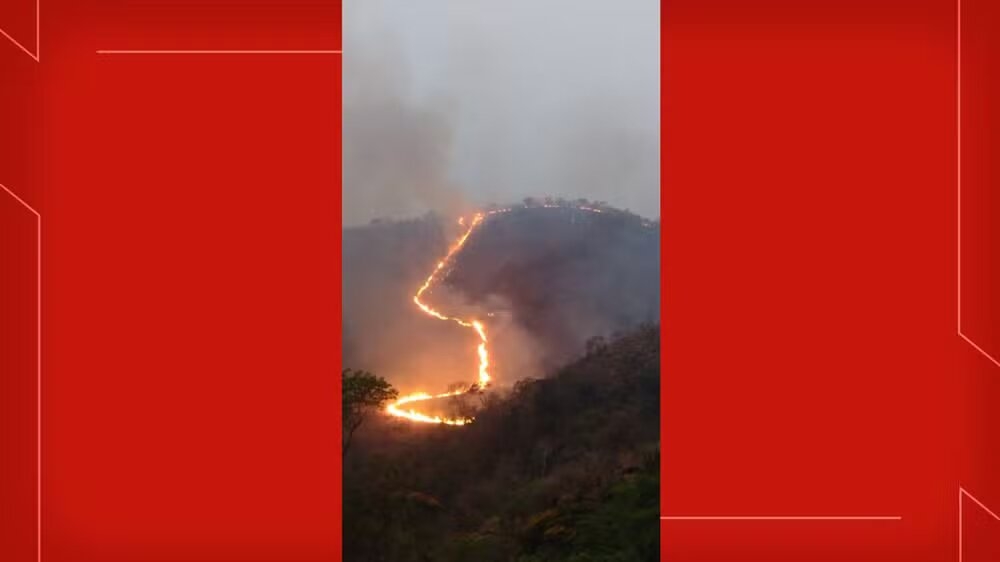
(37, 55)
(38, 359)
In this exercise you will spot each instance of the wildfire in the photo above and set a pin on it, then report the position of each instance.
(395, 410)
(483, 378)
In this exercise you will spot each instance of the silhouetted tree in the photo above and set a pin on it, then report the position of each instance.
(363, 393)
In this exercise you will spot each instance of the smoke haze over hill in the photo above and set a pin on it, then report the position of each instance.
(453, 104)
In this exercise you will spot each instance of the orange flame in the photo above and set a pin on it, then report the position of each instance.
(413, 415)
(483, 379)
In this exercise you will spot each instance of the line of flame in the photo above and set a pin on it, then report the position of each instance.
(395, 410)
(483, 378)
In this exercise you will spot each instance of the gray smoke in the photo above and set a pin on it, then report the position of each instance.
(450, 104)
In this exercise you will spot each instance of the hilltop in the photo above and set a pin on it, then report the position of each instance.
(547, 275)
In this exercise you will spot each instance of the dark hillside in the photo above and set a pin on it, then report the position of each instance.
(558, 469)
(567, 274)
(544, 279)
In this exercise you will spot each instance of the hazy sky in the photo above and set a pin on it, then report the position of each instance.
(450, 104)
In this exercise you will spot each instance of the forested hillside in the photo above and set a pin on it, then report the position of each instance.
(561, 461)
(564, 468)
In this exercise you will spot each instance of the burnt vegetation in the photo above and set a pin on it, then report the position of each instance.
(562, 461)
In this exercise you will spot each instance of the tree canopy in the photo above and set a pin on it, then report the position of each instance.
(363, 393)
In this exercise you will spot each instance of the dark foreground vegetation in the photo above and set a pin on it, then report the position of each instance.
(564, 468)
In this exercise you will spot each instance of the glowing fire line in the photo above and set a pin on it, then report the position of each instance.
(395, 409)
(483, 380)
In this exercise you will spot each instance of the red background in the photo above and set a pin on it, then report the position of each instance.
(191, 213)
(812, 365)
(191, 209)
